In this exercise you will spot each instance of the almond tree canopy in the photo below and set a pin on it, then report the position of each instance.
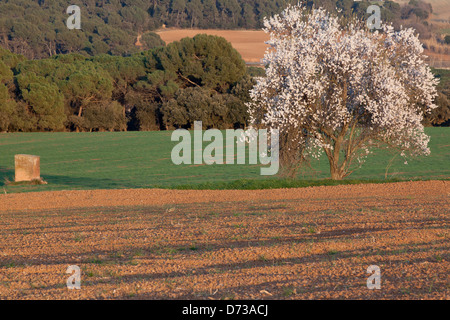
(341, 89)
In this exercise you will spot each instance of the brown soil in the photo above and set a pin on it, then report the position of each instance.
(311, 243)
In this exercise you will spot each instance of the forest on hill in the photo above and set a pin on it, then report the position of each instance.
(37, 29)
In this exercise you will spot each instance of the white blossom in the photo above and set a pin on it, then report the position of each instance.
(330, 87)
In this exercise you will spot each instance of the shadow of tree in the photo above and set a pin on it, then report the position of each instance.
(64, 182)
(398, 255)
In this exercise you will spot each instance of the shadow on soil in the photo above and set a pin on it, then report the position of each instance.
(395, 257)
(338, 282)
(316, 286)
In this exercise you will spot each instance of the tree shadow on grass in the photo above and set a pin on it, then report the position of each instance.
(6, 174)
(62, 182)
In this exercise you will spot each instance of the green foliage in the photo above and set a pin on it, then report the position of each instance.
(105, 117)
(447, 39)
(414, 14)
(204, 60)
(97, 79)
(193, 72)
(10, 59)
(104, 93)
(441, 115)
(146, 116)
(37, 29)
(198, 104)
(6, 73)
(7, 108)
(167, 87)
(256, 72)
(44, 101)
(151, 40)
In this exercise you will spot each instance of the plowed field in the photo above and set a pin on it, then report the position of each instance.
(310, 243)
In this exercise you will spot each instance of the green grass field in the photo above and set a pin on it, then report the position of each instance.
(142, 160)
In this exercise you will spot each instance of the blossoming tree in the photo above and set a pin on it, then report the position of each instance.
(341, 90)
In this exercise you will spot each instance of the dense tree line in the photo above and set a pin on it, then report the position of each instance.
(441, 115)
(412, 14)
(97, 80)
(200, 78)
(37, 29)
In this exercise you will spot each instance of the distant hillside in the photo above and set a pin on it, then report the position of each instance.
(441, 9)
(37, 29)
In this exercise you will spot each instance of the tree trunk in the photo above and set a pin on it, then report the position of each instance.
(80, 111)
(336, 173)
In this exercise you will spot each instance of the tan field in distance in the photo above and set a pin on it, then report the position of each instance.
(249, 43)
(441, 8)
